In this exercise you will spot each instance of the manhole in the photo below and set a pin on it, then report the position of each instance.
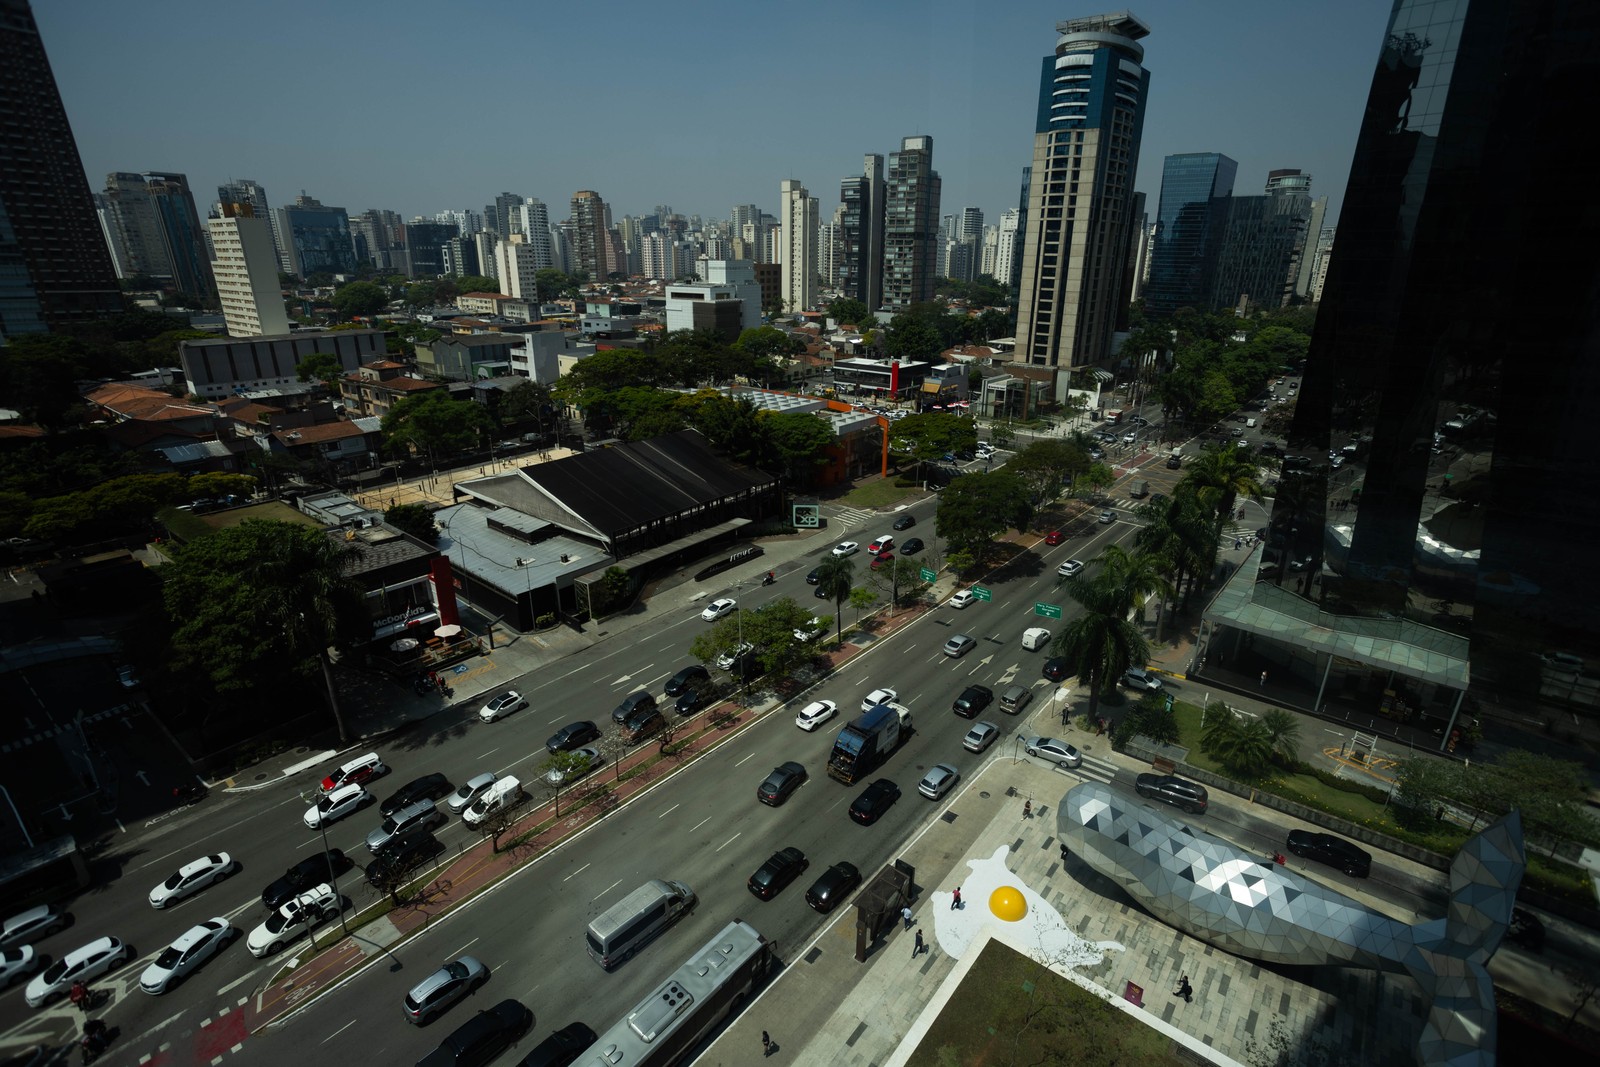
(261, 777)
(302, 750)
(983, 794)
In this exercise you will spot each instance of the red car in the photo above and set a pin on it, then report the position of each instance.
(1054, 537)
(882, 558)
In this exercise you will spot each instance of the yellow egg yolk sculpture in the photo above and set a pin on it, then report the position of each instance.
(1008, 904)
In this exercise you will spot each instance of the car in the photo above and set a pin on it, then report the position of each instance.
(1070, 568)
(815, 714)
(317, 867)
(1054, 537)
(813, 576)
(429, 787)
(882, 559)
(33, 925)
(1015, 698)
(730, 658)
(402, 855)
(939, 780)
(959, 645)
(820, 593)
(1130, 437)
(690, 676)
(562, 1048)
(904, 522)
(846, 548)
(692, 700)
(429, 998)
(776, 787)
(1097, 454)
(973, 699)
(196, 945)
(911, 546)
(346, 800)
(470, 790)
(1334, 851)
(191, 878)
(17, 963)
(584, 760)
(835, 883)
(501, 706)
(79, 965)
(645, 722)
(483, 1037)
(128, 676)
(980, 737)
(1056, 668)
(565, 739)
(360, 770)
(301, 915)
(811, 630)
(874, 800)
(962, 598)
(1058, 752)
(1526, 929)
(719, 608)
(881, 545)
(421, 814)
(1170, 789)
(781, 868)
(1141, 679)
(1107, 517)
(879, 696)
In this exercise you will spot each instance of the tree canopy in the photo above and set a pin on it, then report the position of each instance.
(323, 367)
(360, 298)
(977, 508)
(433, 422)
(850, 311)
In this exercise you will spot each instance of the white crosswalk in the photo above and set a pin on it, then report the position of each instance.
(842, 518)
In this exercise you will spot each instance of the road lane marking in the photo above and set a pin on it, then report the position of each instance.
(651, 684)
(464, 948)
(237, 982)
(701, 823)
(730, 841)
(748, 756)
(608, 888)
(492, 751)
(669, 811)
(339, 1031)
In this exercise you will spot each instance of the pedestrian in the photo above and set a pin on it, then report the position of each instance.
(1184, 990)
(79, 997)
(1236, 544)
(916, 949)
(1263, 677)
(1027, 809)
(766, 1044)
(905, 914)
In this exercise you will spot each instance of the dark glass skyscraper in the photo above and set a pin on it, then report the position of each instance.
(54, 265)
(861, 234)
(1195, 187)
(910, 224)
(1431, 535)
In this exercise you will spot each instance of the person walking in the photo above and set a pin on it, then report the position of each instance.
(79, 996)
(766, 1044)
(1263, 678)
(916, 949)
(905, 914)
(1027, 809)
(1185, 990)
(955, 899)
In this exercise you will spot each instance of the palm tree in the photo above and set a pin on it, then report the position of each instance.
(835, 576)
(1130, 579)
(1101, 644)
(1284, 730)
(1220, 476)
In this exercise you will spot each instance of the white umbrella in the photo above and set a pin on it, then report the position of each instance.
(447, 631)
(405, 644)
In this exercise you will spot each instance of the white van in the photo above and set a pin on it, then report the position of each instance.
(505, 793)
(1035, 638)
(1249, 424)
(635, 920)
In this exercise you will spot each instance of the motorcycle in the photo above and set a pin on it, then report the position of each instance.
(96, 1039)
(768, 578)
(192, 793)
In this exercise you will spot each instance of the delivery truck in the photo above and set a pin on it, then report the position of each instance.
(868, 741)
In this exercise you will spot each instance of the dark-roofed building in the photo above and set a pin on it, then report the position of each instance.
(229, 365)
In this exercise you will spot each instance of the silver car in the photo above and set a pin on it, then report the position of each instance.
(431, 996)
(1058, 752)
(939, 780)
(32, 926)
(462, 798)
(959, 646)
(980, 737)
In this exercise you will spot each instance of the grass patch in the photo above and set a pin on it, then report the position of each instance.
(878, 493)
(1010, 1009)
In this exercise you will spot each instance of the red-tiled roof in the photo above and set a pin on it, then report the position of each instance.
(319, 434)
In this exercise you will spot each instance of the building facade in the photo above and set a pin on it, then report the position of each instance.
(1079, 195)
(316, 238)
(246, 269)
(425, 243)
(1263, 245)
(590, 235)
(910, 224)
(517, 267)
(726, 301)
(246, 191)
(154, 228)
(224, 366)
(1195, 191)
(799, 222)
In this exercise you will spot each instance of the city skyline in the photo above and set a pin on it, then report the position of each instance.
(962, 74)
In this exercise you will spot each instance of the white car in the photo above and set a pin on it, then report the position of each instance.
(815, 714)
(811, 630)
(198, 944)
(501, 706)
(33, 925)
(469, 791)
(17, 963)
(191, 878)
(939, 780)
(1058, 752)
(980, 737)
(346, 800)
(305, 912)
(718, 608)
(846, 548)
(962, 598)
(729, 659)
(882, 544)
(879, 696)
(1070, 568)
(79, 965)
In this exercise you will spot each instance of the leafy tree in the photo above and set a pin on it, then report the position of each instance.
(120, 505)
(1243, 746)
(975, 509)
(912, 338)
(1219, 476)
(1099, 648)
(433, 422)
(849, 311)
(730, 424)
(360, 298)
(414, 519)
(1148, 718)
(771, 629)
(639, 413)
(862, 599)
(218, 484)
(605, 372)
(475, 283)
(1283, 730)
(928, 436)
(421, 294)
(39, 375)
(1045, 465)
(835, 576)
(901, 578)
(324, 367)
(527, 399)
(793, 444)
(765, 343)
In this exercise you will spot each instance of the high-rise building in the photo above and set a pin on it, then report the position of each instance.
(245, 191)
(1319, 268)
(861, 235)
(466, 220)
(461, 257)
(1092, 95)
(517, 266)
(1007, 247)
(1426, 582)
(378, 237)
(55, 268)
(425, 243)
(1195, 189)
(910, 224)
(154, 228)
(799, 225)
(483, 247)
(498, 217)
(590, 243)
(316, 237)
(1261, 246)
(246, 269)
(741, 214)
(828, 248)
(532, 219)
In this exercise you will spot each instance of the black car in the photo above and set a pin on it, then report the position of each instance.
(905, 522)
(1526, 930)
(313, 870)
(1055, 668)
(973, 699)
(836, 883)
(812, 577)
(876, 799)
(1170, 789)
(692, 701)
(691, 675)
(1334, 851)
(912, 546)
(482, 1038)
(428, 787)
(966, 454)
(781, 868)
(561, 1048)
(784, 779)
(403, 854)
(636, 701)
(573, 735)
(821, 593)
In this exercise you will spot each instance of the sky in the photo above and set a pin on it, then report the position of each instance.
(424, 107)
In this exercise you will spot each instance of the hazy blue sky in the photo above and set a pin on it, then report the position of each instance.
(420, 107)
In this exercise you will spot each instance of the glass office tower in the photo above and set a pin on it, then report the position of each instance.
(1195, 187)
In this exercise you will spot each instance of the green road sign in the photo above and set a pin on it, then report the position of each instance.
(926, 575)
(981, 593)
(1049, 611)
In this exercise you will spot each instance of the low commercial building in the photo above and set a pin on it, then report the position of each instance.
(214, 368)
